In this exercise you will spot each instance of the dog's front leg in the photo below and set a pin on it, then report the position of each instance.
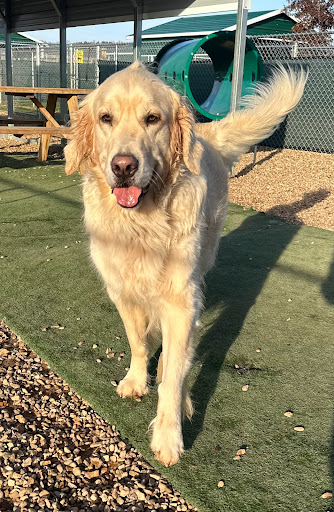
(135, 382)
(177, 321)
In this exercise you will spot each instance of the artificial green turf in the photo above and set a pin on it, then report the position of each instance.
(272, 288)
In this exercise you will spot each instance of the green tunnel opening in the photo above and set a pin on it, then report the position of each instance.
(202, 70)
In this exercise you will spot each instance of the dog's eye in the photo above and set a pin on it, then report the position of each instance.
(106, 118)
(152, 118)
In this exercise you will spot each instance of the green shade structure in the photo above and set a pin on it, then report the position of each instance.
(211, 69)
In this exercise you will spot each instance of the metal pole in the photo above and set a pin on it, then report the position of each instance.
(116, 57)
(239, 53)
(97, 69)
(9, 71)
(255, 154)
(38, 75)
(77, 68)
(32, 69)
(71, 66)
(63, 63)
(38, 66)
(138, 18)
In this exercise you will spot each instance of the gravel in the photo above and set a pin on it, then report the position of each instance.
(57, 454)
(297, 186)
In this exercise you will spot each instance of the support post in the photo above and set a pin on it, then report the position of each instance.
(38, 75)
(38, 66)
(63, 59)
(116, 57)
(97, 68)
(9, 69)
(32, 68)
(239, 53)
(71, 66)
(138, 18)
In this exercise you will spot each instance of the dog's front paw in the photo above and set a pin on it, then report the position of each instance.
(167, 445)
(131, 387)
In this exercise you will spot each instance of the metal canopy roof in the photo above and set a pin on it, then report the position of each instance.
(44, 14)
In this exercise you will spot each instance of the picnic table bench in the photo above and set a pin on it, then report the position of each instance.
(35, 126)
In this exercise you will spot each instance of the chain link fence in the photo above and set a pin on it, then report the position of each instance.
(309, 126)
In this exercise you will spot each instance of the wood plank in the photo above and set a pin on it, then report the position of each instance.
(45, 112)
(12, 89)
(45, 139)
(73, 105)
(35, 130)
(34, 122)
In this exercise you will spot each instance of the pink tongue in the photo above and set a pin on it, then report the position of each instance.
(127, 196)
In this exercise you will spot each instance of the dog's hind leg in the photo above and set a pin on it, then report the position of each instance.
(135, 323)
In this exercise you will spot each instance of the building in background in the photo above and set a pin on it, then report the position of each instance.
(259, 23)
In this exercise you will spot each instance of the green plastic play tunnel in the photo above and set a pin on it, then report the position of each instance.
(202, 69)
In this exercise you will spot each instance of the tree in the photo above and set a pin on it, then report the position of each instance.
(312, 14)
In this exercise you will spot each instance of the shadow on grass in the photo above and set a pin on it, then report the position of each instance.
(244, 261)
(12, 162)
(234, 284)
(37, 191)
(328, 285)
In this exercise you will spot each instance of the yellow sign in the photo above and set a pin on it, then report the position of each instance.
(80, 56)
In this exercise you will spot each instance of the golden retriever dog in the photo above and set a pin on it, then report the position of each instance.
(155, 188)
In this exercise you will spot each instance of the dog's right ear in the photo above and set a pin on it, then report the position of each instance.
(80, 151)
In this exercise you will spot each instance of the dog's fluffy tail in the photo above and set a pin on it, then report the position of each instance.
(263, 112)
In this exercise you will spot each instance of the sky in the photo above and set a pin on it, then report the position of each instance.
(119, 31)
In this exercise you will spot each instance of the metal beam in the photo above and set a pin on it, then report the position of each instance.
(138, 18)
(56, 7)
(9, 70)
(3, 17)
(239, 53)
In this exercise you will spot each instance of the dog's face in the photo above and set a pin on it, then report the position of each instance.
(134, 131)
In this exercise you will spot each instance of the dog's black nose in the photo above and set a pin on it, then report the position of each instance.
(124, 166)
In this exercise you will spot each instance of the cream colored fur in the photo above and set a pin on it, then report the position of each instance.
(153, 258)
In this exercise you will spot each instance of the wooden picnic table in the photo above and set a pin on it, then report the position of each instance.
(35, 126)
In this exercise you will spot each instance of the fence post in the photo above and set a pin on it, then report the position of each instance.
(76, 68)
(294, 50)
(38, 66)
(9, 72)
(32, 68)
(71, 65)
(97, 68)
(239, 53)
(116, 57)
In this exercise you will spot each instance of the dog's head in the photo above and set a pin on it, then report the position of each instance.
(134, 132)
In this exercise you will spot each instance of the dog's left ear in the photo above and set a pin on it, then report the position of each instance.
(184, 144)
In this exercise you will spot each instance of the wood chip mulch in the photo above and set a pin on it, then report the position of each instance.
(57, 454)
(297, 186)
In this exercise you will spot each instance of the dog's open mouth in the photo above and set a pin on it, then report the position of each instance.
(129, 197)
